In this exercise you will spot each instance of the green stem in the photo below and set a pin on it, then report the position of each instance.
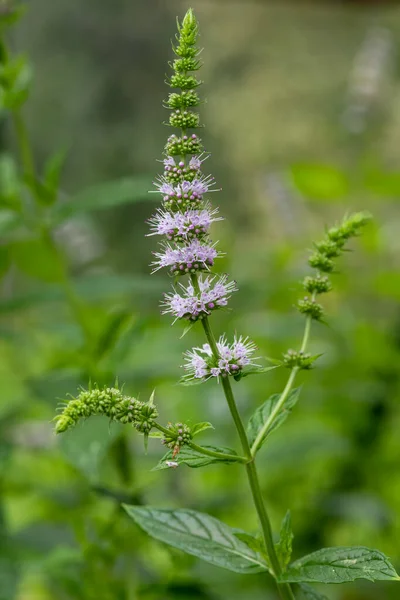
(286, 391)
(285, 590)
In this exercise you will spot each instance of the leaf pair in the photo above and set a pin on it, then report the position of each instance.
(208, 538)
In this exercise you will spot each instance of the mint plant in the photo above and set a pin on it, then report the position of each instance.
(189, 255)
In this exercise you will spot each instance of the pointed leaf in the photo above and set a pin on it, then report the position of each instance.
(253, 542)
(192, 458)
(199, 427)
(264, 412)
(308, 593)
(284, 546)
(104, 195)
(200, 535)
(253, 370)
(341, 565)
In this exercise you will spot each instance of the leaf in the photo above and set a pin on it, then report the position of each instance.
(308, 593)
(192, 458)
(320, 182)
(35, 258)
(254, 370)
(253, 542)
(264, 412)
(200, 535)
(341, 565)
(105, 195)
(284, 546)
(199, 427)
(5, 260)
(86, 445)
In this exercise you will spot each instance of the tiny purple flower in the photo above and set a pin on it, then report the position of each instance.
(193, 306)
(196, 256)
(181, 227)
(202, 364)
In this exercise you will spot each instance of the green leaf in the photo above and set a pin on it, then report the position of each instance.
(200, 535)
(9, 15)
(308, 593)
(284, 546)
(9, 181)
(35, 258)
(5, 260)
(199, 427)
(86, 445)
(104, 195)
(320, 182)
(254, 370)
(264, 412)
(9, 221)
(192, 458)
(341, 565)
(255, 543)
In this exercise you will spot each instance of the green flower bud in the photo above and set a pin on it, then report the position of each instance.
(184, 82)
(310, 307)
(178, 435)
(319, 284)
(110, 402)
(321, 262)
(145, 418)
(183, 100)
(182, 65)
(349, 227)
(301, 360)
(176, 146)
(185, 119)
(329, 248)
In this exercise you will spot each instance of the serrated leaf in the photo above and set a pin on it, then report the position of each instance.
(341, 565)
(192, 458)
(284, 546)
(199, 427)
(253, 370)
(104, 195)
(200, 535)
(264, 413)
(308, 593)
(253, 542)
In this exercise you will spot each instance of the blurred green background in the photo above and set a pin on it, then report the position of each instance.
(302, 120)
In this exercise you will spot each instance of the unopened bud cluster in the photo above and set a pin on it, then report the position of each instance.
(301, 360)
(178, 435)
(110, 402)
(322, 260)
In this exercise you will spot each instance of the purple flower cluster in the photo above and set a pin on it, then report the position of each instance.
(213, 294)
(185, 218)
(201, 363)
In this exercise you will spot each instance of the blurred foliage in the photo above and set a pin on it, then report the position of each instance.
(303, 121)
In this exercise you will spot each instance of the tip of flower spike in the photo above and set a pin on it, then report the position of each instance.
(189, 20)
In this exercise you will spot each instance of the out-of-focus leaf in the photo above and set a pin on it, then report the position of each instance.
(5, 260)
(284, 546)
(9, 221)
(104, 195)
(320, 182)
(264, 412)
(86, 445)
(9, 15)
(308, 593)
(35, 258)
(200, 535)
(112, 331)
(383, 183)
(341, 565)
(9, 181)
(192, 458)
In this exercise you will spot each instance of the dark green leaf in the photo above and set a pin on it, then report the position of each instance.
(105, 195)
(284, 546)
(264, 412)
(200, 535)
(341, 565)
(308, 593)
(192, 458)
(320, 182)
